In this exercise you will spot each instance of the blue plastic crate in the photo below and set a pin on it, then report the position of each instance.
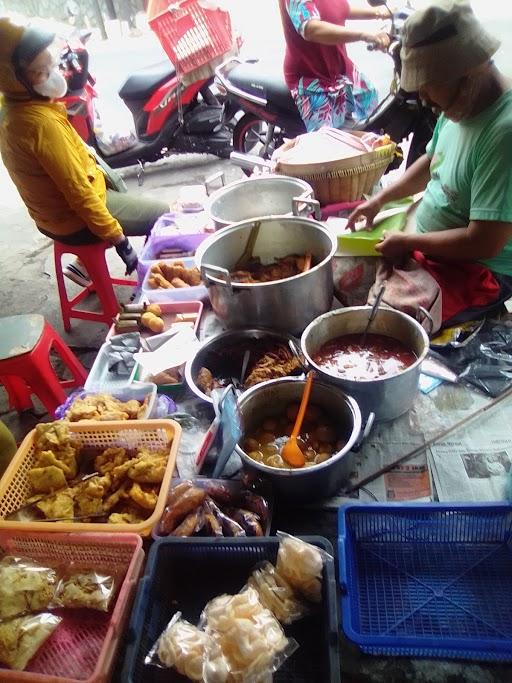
(427, 580)
(183, 574)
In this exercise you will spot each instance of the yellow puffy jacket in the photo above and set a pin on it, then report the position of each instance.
(57, 178)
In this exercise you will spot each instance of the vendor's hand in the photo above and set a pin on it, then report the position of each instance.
(127, 253)
(379, 41)
(367, 210)
(394, 246)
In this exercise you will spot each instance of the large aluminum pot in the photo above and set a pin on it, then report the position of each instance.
(287, 305)
(308, 483)
(271, 195)
(388, 397)
(231, 346)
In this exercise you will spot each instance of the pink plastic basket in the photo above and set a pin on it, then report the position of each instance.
(191, 35)
(84, 646)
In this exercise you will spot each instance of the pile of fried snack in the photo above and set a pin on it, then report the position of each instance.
(29, 589)
(125, 489)
(282, 268)
(213, 508)
(105, 407)
(173, 276)
(240, 637)
(274, 362)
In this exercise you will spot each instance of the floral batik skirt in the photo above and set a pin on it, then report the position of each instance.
(322, 104)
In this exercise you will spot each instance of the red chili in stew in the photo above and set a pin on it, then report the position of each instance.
(380, 357)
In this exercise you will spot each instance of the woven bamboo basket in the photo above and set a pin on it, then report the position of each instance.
(343, 180)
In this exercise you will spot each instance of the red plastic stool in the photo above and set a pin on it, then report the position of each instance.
(93, 258)
(25, 368)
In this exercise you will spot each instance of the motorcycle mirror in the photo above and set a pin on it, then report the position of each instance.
(376, 3)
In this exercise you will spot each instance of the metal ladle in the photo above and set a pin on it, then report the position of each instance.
(373, 312)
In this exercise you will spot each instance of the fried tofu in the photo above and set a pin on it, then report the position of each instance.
(46, 479)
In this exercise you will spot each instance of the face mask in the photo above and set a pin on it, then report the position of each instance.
(54, 87)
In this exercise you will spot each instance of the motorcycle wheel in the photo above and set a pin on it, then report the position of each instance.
(249, 137)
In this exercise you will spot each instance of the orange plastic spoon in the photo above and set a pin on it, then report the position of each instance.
(291, 452)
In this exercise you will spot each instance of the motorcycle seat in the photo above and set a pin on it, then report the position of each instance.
(142, 83)
(255, 79)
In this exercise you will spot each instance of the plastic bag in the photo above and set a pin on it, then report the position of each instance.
(276, 594)
(25, 586)
(250, 637)
(181, 646)
(21, 638)
(486, 360)
(85, 589)
(301, 564)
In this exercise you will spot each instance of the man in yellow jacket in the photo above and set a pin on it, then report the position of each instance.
(58, 179)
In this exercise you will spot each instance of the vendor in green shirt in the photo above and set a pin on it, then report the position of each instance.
(466, 211)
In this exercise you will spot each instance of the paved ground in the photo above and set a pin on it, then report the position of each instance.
(26, 258)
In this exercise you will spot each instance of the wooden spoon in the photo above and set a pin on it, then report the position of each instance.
(291, 452)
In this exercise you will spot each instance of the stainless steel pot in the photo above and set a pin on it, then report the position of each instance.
(287, 305)
(318, 481)
(238, 339)
(271, 195)
(388, 397)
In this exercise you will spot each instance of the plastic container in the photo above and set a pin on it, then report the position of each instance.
(183, 574)
(235, 487)
(191, 36)
(15, 487)
(85, 644)
(427, 580)
(101, 379)
(137, 391)
(186, 243)
(173, 307)
(185, 294)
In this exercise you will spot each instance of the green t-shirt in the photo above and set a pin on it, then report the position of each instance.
(471, 175)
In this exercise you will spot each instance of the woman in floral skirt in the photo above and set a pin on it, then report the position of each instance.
(326, 86)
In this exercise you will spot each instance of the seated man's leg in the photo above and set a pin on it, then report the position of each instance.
(137, 215)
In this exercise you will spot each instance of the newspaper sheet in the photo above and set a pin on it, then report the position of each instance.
(475, 464)
(409, 481)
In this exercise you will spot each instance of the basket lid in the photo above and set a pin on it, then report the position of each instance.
(326, 148)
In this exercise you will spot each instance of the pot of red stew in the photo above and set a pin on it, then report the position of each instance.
(331, 429)
(383, 374)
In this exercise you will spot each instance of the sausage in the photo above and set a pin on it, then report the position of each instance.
(186, 503)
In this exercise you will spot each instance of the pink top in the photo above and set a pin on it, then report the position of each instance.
(313, 60)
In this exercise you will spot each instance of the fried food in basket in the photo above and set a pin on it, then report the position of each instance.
(61, 505)
(124, 490)
(144, 496)
(25, 586)
(46, 479)
(55, 458)
(105, 407)
(21, 638)
(148, 468)
(173, 276)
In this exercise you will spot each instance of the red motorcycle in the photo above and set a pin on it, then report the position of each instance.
(170, 115)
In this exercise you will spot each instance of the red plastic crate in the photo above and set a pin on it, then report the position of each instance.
(191, 35)
(84, 645)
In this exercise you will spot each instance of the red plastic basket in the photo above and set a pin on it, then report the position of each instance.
(191, 35)
(84, 646)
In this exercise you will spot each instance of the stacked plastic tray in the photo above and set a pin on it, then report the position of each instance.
(427, 580)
